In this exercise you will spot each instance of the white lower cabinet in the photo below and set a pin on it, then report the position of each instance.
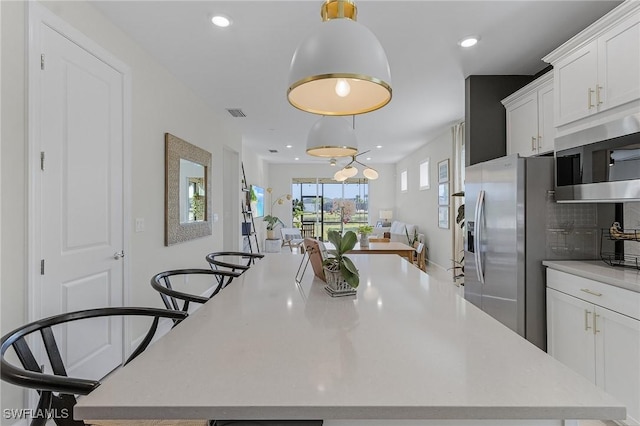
(599, 343)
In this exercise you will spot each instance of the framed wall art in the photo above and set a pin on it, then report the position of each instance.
(443, 171)
(443, 217)
(443, 194)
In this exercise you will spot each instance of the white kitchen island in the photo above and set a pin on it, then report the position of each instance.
(407, 350)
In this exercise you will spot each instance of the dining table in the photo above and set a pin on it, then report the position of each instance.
(406, 350)
(392, 247)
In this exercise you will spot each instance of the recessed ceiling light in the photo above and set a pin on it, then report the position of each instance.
(221, 21)
(378, 146)
(289, 146)
(368, 158)
(296, 158)
(469, 41)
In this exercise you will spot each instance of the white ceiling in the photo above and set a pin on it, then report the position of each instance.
(246, 65)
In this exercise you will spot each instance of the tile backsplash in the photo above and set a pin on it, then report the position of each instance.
(574, 229)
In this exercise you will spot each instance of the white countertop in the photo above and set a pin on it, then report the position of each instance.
(597, 270)
(406, 347)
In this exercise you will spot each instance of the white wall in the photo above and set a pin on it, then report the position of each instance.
(160, 104)
(421, 207)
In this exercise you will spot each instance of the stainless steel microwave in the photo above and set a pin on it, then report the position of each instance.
(600, 164)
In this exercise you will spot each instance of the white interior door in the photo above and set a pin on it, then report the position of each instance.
(81, 200)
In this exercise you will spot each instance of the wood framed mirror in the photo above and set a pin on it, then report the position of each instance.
(187, 184)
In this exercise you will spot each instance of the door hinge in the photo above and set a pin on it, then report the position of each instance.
(42, 267)
(42, 61)
(42, 160)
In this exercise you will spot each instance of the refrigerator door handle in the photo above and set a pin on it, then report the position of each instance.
(479, 216)
(476, 237)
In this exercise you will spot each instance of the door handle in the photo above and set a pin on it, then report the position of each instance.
(589, 92)
(586, 320)
(533, 143)
(479, 214)
(598, 89)
(118, 255)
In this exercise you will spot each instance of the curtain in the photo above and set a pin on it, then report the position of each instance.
(457, 133)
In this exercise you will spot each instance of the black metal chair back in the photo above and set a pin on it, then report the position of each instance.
(218, 262)
(32, 376)
(178, 300)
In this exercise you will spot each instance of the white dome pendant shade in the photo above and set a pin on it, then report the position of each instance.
(332, 137)
(341, 69)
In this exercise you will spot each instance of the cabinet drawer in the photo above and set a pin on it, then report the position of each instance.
(611, 297)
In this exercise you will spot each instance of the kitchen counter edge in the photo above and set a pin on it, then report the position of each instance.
(627, 278)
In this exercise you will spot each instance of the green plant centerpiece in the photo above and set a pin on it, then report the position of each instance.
(364, 231)
(340, 272)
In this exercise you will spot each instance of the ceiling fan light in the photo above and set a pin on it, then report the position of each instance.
(370, 173)
(339, 176)
(332, 137)
(341, 50)
(349, 171)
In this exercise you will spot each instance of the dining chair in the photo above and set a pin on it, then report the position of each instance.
(379, 240)
(32, 375)
(178, 300)
(291, 237)
(307, 229)
(219, 261)
(420, 257)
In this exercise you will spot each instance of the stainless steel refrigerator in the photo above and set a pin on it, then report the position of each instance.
(505, 244)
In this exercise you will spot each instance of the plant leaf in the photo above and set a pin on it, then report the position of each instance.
(348, 242)
(353, 279)
(348, 264)
(334, 238)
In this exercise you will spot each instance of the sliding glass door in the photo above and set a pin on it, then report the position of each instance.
(322, 204)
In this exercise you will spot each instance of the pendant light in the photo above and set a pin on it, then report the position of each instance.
(332, 137)
(341, 69)
(350, 170)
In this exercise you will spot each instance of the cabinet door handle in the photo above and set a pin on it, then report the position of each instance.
(595, 323)
(598, 100)
(533, 143)
(593, 293)
(589, 92)
(539, 142)
(586, 320)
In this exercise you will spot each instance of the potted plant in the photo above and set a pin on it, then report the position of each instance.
(339, 271)
(273, 221)
(458, 264)
(364, 231)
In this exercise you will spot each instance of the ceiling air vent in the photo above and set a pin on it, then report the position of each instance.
(273, 151)
(236, 112)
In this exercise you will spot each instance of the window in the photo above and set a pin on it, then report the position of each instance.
(403, 181)
(424, 175)
(327, 205)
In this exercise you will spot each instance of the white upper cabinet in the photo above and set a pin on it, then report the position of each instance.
(530, 129)
(619, 63)
(576, 77)
(597, 72)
